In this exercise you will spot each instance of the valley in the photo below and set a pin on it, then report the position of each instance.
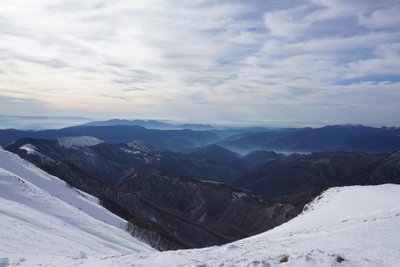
(199, 197)
(44, 222)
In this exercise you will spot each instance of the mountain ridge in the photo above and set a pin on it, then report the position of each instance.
(323, 139)
(195, 212)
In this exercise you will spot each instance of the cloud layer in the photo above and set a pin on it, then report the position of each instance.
(257, 62)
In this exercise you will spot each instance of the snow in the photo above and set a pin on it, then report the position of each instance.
(42, 218)
(141, 146)
(32, 150)
(128, 151)
(43, 222)
(238, 195)
(79, 141)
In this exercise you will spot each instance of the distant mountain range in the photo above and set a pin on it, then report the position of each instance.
(241, 140)
(297, 179)
(152, 124)
(168, 139)
(328, 138)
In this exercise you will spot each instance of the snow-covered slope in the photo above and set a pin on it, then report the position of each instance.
(42, 218)
(349, 226)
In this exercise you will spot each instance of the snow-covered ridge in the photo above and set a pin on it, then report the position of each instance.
(79, 141)
(32, 150)
(41, 217)
(348, 226)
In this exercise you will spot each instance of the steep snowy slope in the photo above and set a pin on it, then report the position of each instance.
(349, 226)
(41, 218)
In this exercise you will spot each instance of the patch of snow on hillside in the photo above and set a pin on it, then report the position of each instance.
(79, 141)
(139, 145)
(239, 195)
(129, 151)
(32, 150)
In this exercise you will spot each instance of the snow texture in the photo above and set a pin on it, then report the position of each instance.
(32, 150)
(42, 218)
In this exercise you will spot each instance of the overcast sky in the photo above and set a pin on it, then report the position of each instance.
(271, 62)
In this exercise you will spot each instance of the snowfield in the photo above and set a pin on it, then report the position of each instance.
(42, 218)
(43, 222)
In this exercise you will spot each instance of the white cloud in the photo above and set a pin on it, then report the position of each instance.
(383, 18)
(289, 23)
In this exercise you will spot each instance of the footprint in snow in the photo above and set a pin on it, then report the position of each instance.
(82, 255)
(231, 247)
